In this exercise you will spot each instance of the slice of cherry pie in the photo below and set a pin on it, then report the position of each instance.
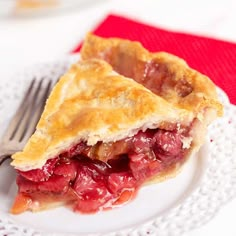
(102, 136)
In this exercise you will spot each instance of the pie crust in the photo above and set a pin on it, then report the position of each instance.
(93, 103)
(163, 73)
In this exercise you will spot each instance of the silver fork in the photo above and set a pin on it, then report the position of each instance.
(25, 119)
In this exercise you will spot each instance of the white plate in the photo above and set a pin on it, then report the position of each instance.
(173, 207)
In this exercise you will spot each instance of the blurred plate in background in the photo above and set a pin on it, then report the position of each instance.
(25, 8)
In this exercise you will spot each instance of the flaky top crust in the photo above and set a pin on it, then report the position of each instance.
(93, 103)
(164, 74)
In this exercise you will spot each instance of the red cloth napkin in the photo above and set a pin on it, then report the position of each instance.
(215, 58)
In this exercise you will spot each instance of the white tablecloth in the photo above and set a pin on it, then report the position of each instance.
(25, 41)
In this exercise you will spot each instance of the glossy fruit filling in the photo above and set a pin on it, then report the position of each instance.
(93, 178)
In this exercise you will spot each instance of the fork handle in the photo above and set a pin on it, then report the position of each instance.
(3, 158)
(4, 155)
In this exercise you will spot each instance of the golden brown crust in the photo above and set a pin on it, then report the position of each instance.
(164, 74)
(93, 103)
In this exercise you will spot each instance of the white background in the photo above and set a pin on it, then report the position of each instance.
(28, 40)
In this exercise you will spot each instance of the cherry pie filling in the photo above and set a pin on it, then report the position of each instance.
(92, 178)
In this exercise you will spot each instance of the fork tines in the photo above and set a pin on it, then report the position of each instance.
(28, 113)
